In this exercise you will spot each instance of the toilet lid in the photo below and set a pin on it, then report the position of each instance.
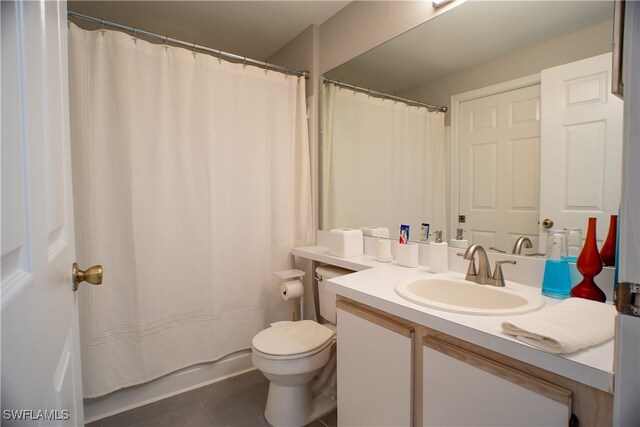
(289, 338)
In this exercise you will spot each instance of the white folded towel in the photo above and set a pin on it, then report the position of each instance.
(574, 324)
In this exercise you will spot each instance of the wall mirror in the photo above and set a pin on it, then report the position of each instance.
(467, 59)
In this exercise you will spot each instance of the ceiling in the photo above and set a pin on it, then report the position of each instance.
(467, 35)
(255, 29)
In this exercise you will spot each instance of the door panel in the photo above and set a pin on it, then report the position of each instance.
(41, 380)
(581, 145)
(499, 167)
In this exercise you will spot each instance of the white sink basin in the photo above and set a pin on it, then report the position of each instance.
(444, 292)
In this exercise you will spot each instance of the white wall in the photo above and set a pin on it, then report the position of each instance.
(303, 53)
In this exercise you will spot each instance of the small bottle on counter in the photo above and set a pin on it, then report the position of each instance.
(439, 255)
(424, 232)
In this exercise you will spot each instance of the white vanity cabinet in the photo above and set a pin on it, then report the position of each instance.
(461, 388)
(392, 371)
(375, 386)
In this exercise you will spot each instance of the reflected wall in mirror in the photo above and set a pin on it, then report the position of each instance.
(481, 49)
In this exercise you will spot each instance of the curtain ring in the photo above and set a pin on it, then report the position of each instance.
(102, 24)
(219, 56)
(244, 62)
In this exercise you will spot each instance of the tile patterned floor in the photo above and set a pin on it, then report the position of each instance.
(235, 402)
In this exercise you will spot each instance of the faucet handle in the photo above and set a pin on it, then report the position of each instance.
(498, 276)
(497, 250)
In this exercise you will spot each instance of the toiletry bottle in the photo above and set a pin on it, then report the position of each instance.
(459, 241)
(424, 232)
(556, 282)
(439, 255)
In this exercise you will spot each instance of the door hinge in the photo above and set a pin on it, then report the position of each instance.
(627, 298)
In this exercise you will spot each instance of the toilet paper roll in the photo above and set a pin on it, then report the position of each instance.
(291, 289)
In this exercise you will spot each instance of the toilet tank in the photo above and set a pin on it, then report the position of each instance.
(328, 299)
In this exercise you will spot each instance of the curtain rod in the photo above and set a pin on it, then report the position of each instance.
(385, 95)
(193, 46)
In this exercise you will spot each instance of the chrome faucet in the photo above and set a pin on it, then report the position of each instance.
(523, 241)
(483, 274)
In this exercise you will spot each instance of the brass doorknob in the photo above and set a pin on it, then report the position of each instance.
(547, 223)
(91, 275)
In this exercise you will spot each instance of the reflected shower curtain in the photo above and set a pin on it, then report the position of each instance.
(191, 186)
(383, 163)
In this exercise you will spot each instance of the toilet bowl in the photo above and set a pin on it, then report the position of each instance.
(290, 368)
(298, 359)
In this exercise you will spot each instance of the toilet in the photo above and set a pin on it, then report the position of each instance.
(299, 360)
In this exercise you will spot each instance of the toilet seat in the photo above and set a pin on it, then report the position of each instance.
(292, 340)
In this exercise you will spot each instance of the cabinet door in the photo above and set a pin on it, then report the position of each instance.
(374, 370)
(461, 388)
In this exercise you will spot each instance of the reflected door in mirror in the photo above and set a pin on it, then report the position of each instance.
(581, 144)
(499, 167)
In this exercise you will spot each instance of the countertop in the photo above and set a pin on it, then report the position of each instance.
(372, 283)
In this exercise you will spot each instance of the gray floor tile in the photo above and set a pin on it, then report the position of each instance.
(234, 402)
(238, 402)
(152, 410)
(193, 415)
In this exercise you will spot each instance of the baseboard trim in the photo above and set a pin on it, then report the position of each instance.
(167, 386)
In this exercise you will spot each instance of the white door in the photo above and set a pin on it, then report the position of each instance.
(581, 146)
(626, 399)
(499, 167)
(41, 383)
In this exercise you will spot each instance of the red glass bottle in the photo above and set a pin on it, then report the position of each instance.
(608, 251)
(589, 265)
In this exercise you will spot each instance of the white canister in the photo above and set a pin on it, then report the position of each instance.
(345, 242)
(407, 255)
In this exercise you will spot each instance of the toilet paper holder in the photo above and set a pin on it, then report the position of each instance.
(286, 275)
(289, 275)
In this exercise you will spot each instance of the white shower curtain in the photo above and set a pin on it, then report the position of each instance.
(383, 163)
(191, 186)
